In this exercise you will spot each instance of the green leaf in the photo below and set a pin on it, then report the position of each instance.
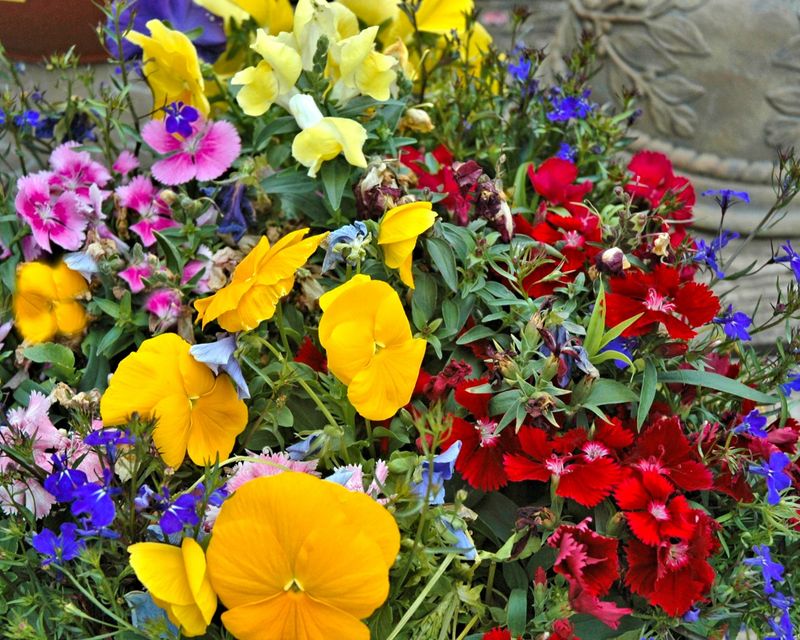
(717, 382)
(476, 333)
(171, 253)
(648, 394)
(108, 307)
(334, 176)
(604, 356)
(616, 332)
(108, 340)
(50, 353)
(288, 181)
(423, 302)
(517, 611)
(609, 392)
(445, 260)
(597, 321)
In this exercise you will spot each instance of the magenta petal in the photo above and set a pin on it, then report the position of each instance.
(144, 229)
(176, 169)
(217, 150)
(155, 134)
(125, 163)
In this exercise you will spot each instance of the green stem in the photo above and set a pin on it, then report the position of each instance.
(281, 330)
(421, 597)
(124, 624)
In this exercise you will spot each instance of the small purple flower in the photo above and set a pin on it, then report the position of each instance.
(95, 500)
(109, 439)
(792, 384)
(60, 548)
(735, 324)
(773, 471)
(64, 482)
(29, 118)
(143, 498)
(771, 571)
(179, 118)
(781, 601)
(726, 198)
(443, 466)
(570, 107)
(2, 118)
(692, 615)
(306, 448)
(792, 257)
(180, 513)
(566, 152)
(624, 346)
(237, 210)
(220, 355)
(753, 424)
(707, 253)
(782, 628)
(520, 68)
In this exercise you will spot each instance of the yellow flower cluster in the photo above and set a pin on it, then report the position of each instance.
(317, 564)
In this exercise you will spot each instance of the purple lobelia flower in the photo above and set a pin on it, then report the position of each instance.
(753, 424)
(773, 471)
(771, 571)
(179, 118)
(735, 324)
(64, 482)
(237, 210)
(60, 548)
(792, 257)
(726, 198)
(95, 500)
(792, 384)
(181, 512)
(565, 108)
(707, 253)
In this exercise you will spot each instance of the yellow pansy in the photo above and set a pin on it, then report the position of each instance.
(271, 79)
(178, 582)
(318, 559)
(316, 18)
(357, 67)
(45, 302)
(373, 12)
(324, 138)
(432, 16)
(399, 229)
(171, 68)
(195, 410)
(273, 15)
(365, 333)
(259, 281)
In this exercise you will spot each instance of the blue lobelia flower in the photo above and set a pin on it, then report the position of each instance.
(782, 628)
(624, 346)
(204, 29)
(566, 108)
(777, 479)
(64, 482)
(692, 615)
(566, 152)
(2, 118)
(95, 500)
(792, 384)
(29, 118)
(792, 257)
(435, 477)
(179, 118)
(727, 197)
(237, 210)
(753, 424)
(180, 513)
(707, 253)
(735, 324)
(219, 355)
(60, 548)
(144, 497)
(520, 68)
(110, 440)
(345, 243)
(464, 544)
(771, 571)
(306, 448)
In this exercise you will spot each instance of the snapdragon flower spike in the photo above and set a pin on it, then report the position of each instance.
(771, 571)
(773, 471)
(735, 324)
(792, 257)
(57, 549)
(753, 424)
(64, 482)
(179, 118)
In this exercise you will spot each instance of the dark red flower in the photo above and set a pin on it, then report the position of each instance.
(674, 575)
(453, 374)
(497, 634)
(563, 630)
(585, 557)
(608, 613)
(655, 182)
(445, 180)
(663, 447)
(651, 510)
(661, 298)
(584, 469)
(734, 485)
(554, 181)
(483, 446)
(308, 353)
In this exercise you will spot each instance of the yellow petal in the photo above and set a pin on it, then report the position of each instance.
(216, 419)
(194, 560)
(171, 433)
(326, 140)
(387, 384)
(350, 348)
(70, 317)
(68, 283)
(406, 221)
(376, 520)
(33, 317)
(160, 568)
(259, 90)
(373, 12)
(328, 297)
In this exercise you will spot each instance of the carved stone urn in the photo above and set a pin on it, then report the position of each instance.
(720, 88)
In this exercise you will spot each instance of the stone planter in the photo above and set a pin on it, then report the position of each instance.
(720, 87)
(33, 29)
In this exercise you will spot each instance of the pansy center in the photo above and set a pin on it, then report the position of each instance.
(293, 585)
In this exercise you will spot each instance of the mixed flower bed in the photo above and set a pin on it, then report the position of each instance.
(367, 330)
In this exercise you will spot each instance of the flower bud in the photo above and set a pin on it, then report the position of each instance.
(416, 120)
(612, 261)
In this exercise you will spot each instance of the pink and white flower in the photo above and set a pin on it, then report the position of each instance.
(164, 307)
(141, 196)
(267, 464)
(125, 163)
(75, 171)
(134, 275)
(52, 216)
(27, 493)
(205, 155)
